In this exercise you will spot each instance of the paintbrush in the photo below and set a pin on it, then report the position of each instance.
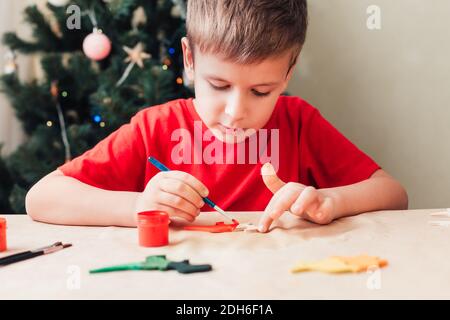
(208, 201)
(33, 253)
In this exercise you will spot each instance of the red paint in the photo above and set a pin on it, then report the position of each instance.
(2, 235)
(153, 228)
(219, 227)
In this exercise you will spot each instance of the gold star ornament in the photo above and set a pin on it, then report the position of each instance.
(136, 55)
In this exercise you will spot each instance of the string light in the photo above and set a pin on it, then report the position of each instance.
(179, 80)
(97, 118)
(164, 67)
(102, 124)
(64, 94)
(62, 124)
(171, 51)
(49, 123)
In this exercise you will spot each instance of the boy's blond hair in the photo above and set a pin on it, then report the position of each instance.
(247, 31)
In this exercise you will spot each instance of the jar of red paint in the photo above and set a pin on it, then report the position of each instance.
(153, 228)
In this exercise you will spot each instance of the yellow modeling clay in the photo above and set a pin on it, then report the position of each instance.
(363, 262)
(330, 265)
(341, 264)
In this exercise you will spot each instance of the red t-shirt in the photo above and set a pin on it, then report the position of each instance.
(311, 151)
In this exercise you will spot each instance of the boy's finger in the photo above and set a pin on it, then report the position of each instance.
(182, 189)
(177, 202)
(307, 201)
(195, 184)
(270, 178)
(280, 202)
(174, 212)
(322, 214)
(284, 197)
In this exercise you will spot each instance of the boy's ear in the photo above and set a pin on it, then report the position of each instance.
(188, 58)
(291, 71)
(289, 74)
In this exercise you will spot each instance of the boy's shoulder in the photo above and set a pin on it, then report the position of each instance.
(161, 118)
(161, 111)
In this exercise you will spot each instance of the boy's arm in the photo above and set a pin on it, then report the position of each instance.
(379, 192)
(60, 199)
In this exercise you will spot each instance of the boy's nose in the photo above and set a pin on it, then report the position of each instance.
(236, 108)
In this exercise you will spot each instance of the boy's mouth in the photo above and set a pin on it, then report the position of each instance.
(231, 131)
(235, 135)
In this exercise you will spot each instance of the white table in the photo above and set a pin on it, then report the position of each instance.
(245, 265)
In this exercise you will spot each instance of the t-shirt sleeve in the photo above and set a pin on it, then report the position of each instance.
(331, 159)
(116, 163)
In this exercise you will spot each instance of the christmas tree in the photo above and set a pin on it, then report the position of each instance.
(102, 61)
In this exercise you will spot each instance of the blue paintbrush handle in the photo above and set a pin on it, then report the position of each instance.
(158, 164)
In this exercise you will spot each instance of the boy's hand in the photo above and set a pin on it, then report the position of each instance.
(175, 192)
(306, 202)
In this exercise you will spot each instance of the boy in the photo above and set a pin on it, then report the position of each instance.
(240, 55)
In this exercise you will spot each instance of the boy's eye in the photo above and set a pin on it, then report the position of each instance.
(256, 93)
(218, 88)
(260, 94)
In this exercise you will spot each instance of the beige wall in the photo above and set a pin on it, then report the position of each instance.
(387, 90)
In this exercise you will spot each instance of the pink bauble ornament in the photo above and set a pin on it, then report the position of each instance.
(58, 3)
(96, 46)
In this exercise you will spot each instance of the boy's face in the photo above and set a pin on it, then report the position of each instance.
(232, 98)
